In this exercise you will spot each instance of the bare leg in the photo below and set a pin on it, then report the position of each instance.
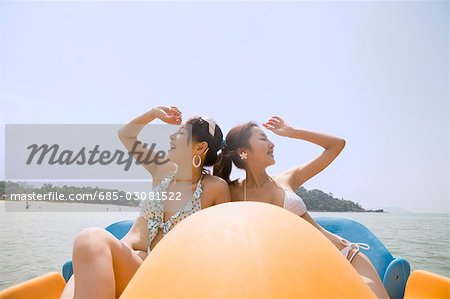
(360, 261)
(69, 289)
(364, 266)
(103, 265)
(368, 273)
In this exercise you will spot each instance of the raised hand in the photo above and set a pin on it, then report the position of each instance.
(169, 115)
(277, 125)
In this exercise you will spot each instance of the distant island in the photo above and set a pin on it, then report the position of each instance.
(315, 200)
(395, 210)
(319, 201)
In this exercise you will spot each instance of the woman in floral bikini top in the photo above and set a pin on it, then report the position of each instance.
(99, 259)
(153, 210)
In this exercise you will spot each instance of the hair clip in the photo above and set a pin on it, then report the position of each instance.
(211, 125)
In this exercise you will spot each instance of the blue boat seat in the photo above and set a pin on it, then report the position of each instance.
(393, 271)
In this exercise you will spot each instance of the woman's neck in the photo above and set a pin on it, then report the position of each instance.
(256, 177)
(188, 174)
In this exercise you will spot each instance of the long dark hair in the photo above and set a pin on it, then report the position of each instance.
(200, 133)
(237, 137)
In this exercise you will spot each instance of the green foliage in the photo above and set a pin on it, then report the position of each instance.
(319, 201)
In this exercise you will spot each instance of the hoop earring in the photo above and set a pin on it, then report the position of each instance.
(197, 165)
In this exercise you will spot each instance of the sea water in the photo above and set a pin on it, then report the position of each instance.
(34, 243)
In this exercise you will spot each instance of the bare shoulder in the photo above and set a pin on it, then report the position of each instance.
(212, 181)
(282, 179)
(215, 190)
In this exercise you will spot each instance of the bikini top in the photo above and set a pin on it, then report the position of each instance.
(292, 202)
(153, 210)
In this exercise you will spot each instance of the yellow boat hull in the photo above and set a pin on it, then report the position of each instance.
(47, 286)
(423, 284)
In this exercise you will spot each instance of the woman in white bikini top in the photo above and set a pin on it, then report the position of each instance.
(249, 148)
(291, 202)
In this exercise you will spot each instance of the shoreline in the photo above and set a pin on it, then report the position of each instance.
(33, 202)
(129, 207)
(50, 206)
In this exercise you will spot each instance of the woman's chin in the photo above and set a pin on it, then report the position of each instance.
(170, 156)
(270, 161)
(179, 158)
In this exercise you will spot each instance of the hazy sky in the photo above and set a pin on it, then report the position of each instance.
(373, 73)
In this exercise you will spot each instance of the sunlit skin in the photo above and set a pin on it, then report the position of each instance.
(103, 265)
(261, 154)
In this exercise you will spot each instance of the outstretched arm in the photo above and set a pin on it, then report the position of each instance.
(128, 134)
(298, 175)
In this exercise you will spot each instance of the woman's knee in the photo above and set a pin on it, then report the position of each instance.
(92, 241)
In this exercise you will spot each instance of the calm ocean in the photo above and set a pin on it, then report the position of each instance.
(36, 243)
